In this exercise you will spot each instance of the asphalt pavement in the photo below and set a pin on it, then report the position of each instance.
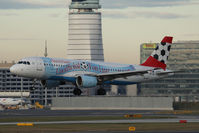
(39, 112)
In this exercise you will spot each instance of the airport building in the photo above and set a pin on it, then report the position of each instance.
(183, 86)
(14, 86)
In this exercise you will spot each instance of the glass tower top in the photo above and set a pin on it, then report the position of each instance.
(85, 4)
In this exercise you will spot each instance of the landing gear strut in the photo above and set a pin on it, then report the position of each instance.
(33, 85)
(77, 92)
(101, 91)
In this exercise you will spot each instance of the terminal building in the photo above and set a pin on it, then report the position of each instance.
(183, 86)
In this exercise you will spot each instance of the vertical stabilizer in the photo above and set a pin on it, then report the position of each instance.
(160, 55)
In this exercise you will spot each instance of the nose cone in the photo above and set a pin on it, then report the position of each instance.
(13, 69)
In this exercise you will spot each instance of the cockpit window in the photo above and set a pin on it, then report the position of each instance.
(24, 62)
(20, 62)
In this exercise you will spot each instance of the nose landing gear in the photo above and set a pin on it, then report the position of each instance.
(33, 85)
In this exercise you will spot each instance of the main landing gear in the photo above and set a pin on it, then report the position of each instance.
(101, 91)
(77, 92)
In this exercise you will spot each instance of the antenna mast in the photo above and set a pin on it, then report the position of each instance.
(46, 50)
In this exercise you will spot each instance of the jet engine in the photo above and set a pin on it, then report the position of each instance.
(51, 83)
(86, 81)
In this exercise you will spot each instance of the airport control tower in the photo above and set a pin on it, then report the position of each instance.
(85, 31)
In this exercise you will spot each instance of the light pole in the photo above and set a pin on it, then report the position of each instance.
(21, 90)
(45, 96)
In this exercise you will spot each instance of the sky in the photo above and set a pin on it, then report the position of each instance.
(26, 24)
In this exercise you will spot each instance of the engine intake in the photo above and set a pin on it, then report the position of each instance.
(86, 81)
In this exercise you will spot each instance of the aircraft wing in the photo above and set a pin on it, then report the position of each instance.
(168, 72)
(111, 76)
(163, 73)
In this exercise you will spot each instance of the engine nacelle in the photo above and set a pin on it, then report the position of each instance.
(86, 81)
(51, 83)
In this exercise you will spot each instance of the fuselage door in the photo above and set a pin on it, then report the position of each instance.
(40, 68)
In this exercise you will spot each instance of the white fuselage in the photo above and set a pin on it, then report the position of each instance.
(10, 101)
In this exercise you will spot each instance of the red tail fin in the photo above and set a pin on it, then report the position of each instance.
(160, 55)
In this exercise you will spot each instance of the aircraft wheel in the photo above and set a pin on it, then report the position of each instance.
(101, 92)
(77, 92)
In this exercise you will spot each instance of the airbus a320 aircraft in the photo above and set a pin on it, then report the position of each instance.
(85, 74)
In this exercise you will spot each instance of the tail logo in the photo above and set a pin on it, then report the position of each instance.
(161, 53)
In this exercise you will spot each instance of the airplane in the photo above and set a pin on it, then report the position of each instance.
(10, 102)
(87, 74)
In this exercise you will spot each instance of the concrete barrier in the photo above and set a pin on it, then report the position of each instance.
(111, 103)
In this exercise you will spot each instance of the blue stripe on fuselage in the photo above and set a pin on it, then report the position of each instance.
(55, 69)
(77, 65)
(49, 67)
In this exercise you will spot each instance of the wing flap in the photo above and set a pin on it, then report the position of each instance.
(168, 72)
(111, 76)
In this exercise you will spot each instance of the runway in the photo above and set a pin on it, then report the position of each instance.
(193, 119)
(23, 113)
(139, 132)
(107, 121)
(45, 113)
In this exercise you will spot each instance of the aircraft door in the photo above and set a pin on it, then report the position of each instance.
(39, 69)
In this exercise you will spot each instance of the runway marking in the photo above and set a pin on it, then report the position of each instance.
(24, 124)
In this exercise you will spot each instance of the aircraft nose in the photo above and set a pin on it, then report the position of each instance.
(14, 69)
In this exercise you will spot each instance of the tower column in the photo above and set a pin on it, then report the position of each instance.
(85, 31)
